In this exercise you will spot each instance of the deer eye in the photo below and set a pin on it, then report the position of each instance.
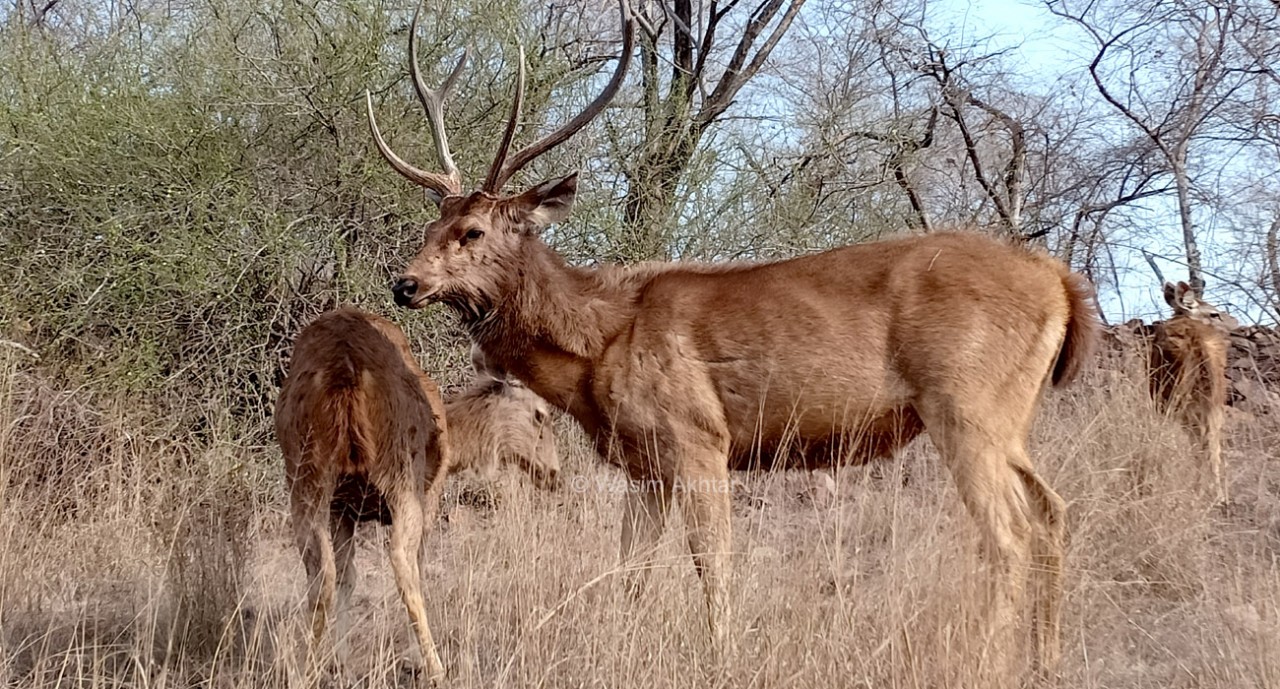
(539, 416)
(471, 235)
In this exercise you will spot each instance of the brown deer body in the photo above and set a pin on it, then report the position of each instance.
(1187, 372)
(681, 372)
(684, 373)
(365, 437)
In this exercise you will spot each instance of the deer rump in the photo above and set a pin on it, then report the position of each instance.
(353, 419)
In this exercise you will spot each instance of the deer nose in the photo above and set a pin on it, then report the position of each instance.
(404, 291)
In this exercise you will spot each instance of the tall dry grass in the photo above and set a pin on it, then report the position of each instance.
(136, 553)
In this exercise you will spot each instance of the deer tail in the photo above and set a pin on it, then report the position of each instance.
(1083, 327)
(348, 425)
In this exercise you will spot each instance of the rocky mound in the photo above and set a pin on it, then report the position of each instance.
(1253, 365)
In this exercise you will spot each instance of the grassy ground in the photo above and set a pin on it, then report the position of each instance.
(138, 553)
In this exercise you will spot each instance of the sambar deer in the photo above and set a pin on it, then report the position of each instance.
(365, 437)
(1187, 375)
(495, 421)
(681, 372)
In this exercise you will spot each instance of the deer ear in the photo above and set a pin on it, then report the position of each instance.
(433, 196)
(1186, 295)
(1170, 294)
(548, 203)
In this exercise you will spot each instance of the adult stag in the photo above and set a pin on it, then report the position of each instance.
(682, 372)
(365, 437)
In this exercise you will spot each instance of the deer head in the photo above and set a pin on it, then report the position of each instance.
(498, 419)
(474, 248)
(1185, 302)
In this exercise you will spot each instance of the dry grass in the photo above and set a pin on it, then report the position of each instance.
(136, 553)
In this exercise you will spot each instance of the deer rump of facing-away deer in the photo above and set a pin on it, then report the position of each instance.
(365, 437)
(681, 372)
(1187, 372)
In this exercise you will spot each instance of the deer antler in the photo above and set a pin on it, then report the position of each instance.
(491, 182)
(502, 169)
(448, 183)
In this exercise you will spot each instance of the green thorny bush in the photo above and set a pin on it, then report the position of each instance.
(181, 190)
(183, 187)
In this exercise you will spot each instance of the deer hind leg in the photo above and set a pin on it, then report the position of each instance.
(644, 517)
(1048, 512)
(1207, 431)
(408, 515)
(1215, 454)
(344, 538)
(310, 516)
(997, 500)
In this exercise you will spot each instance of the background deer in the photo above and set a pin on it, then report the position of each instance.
(365, 437)
(1187, 364)
(497, 420)
(681, 372)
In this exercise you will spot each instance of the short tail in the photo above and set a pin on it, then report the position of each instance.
(344, 422)
(1083, 328)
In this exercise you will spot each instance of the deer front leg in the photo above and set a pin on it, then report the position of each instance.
(644, 516)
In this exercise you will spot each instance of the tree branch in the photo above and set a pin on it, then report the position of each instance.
(897, 163)
(1013, 172)
(736, 75)
(971, 152)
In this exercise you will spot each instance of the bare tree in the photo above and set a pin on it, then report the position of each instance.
(1007, 196)
(901, 147)
(688, 39)
(1117, 177)
(1170, 69)
(989, 154)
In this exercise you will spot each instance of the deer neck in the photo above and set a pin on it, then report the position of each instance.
(553, 324)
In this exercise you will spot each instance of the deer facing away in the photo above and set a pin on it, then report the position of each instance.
(1187, 364)
(681, 372)
(365, 437)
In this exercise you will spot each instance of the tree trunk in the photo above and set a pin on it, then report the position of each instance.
(675, 121)
(1273, 264)
(652, 187)
(1183, 184)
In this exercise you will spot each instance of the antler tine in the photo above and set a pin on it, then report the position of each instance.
(559, 136)
(491, 182)
(433, 102)
(442, 185)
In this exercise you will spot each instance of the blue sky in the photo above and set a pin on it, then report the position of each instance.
(1047, 54)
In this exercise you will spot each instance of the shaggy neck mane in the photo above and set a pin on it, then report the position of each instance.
(550, 307)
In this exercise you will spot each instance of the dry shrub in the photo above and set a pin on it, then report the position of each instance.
(123, 540)
(182, 571)
(206, 538)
